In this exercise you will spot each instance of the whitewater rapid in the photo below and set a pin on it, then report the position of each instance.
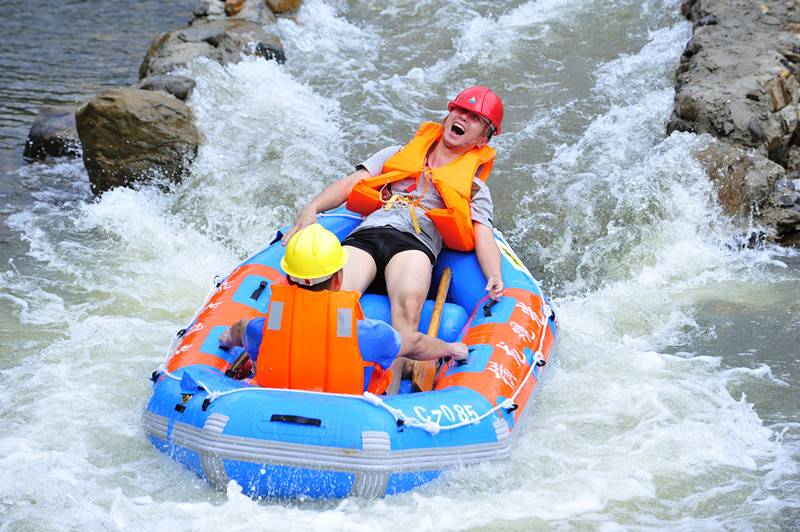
(671, 401)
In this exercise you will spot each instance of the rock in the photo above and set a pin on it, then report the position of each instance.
(249, 10)
(708, 20)
(209, 8)
(179, 86)
(733, 81)
(750, 185)
(744, 181)
(738, 81)
(53, 133)
(233, 7)
(778, 93)
(133, 135)
(282, 6)
(224, 41)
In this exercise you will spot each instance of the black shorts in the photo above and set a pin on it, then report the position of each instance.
(383, 243)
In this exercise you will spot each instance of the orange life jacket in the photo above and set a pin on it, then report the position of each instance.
(310, 343)
(453, 182)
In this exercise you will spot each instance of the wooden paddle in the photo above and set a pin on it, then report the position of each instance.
(424, 372)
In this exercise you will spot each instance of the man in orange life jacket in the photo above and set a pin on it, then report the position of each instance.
(307, 336)
(417, 198)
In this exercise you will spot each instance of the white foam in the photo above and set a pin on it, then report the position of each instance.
(644, 420)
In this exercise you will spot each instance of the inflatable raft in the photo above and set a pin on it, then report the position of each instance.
(292, 443)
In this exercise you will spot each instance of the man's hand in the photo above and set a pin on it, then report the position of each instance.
(494, 285)
(459, 349)
(306, 217)
(232, 336)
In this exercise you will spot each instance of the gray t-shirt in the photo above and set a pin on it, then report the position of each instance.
(400, 218)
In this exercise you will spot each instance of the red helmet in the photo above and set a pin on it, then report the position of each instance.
(482, 101)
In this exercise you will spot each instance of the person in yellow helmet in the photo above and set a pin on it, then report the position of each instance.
(315, 336)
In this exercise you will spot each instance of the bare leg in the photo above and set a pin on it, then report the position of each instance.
(359, 271)
(408, 278)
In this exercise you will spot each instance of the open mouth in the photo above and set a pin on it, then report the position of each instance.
(458, 129)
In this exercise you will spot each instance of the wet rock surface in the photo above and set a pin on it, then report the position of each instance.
(134, 135)
(224, 41)
(53, 133)
(738, 81)
(179, 86)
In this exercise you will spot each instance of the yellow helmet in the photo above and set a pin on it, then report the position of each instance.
(313, 255)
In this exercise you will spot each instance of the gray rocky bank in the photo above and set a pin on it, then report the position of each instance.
(738, 81)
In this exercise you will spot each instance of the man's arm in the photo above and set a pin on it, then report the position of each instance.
(418, 346)
(331, 196)
(489, 258)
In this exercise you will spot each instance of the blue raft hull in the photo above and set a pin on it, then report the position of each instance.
(298, 444)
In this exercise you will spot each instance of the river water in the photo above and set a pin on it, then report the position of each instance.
(671, 402)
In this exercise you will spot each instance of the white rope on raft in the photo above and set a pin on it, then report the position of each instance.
(429, 426)
(434, 427)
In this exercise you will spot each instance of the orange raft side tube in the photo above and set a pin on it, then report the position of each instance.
(221, 309)
(513, 345)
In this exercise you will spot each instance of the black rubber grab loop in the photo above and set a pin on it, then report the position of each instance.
(541, 362)
(258, 291)
(180, 408)
(180, 333)
(300, 420)
(278, 236)
(206, 402)
(487, 308)
(512, 408)
(154, 376)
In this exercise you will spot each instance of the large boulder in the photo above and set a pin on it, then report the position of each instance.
(744, 180)
(221, 40)
(53, 133)
(737, 78)
(750, 186)
(132, 135)
(738, 81)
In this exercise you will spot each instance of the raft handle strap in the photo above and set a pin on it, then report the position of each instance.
(278, 236)
(300, 420)
(511, 408)
(180, 333)
(258, 291)
(487, 308)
